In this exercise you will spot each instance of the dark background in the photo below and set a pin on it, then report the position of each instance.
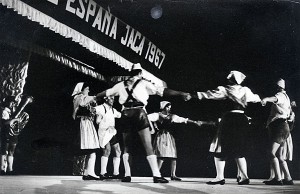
(203, 41)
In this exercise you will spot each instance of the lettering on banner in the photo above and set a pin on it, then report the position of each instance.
(106, 23)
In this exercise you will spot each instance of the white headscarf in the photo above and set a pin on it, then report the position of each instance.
(163, 104)
(281, 83)
(238, 76)
(78, 88)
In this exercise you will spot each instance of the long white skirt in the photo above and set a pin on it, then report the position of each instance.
(88, 135)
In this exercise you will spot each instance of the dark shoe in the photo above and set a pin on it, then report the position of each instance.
(221, 182)
(238, 178)
(103, 176)
(175, 178)
(159, 180)
(274, 182)
(126, 179)
(286, 182)
(115, 176)
(10, 173)
(244, 182)
(267, 180)
(2, 173)
(89, 178)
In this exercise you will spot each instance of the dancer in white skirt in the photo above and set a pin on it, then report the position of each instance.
(164, 143)
(88, 135)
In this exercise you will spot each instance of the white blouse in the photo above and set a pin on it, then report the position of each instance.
(281, 109)
(153, 117)
(141, 92)
(106, 116)
(237, 93)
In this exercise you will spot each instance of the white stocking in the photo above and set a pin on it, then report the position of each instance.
(116, 162)
(153, 164)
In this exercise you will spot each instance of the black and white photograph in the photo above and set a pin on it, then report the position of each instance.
(149, 96)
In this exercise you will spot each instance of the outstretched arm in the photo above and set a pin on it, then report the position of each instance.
(170, 92)
(217, 94)
(200, 123)
(101, 95)
(268, 99)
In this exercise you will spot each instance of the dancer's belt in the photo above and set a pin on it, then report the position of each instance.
(129, 105)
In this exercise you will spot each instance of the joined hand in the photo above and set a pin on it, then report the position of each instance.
(186, 96)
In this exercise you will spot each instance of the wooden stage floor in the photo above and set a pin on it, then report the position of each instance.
(139, 185)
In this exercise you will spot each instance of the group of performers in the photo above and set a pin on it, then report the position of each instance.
(230, 140)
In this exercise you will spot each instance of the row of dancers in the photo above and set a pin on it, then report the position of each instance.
(133, 95)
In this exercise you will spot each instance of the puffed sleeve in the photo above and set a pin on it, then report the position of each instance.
(217, 94)
(152, 89)
(153, 117)
(250, 96)
(280, 98)
(178, 119)
(117, 114)
(76, 102)
(85, 100)
(114, 91)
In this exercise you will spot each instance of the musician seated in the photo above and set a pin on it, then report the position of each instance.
(8, 141)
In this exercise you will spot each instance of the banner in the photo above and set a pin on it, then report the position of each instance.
(81, 33)
(97, 23)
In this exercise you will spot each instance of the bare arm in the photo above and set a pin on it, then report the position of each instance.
(268, 99)
(200, 123)
(170, 92)
(101, 95)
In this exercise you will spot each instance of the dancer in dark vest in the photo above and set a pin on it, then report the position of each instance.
(164, 143)
(88, 136)
(230, 140)
(133, 95)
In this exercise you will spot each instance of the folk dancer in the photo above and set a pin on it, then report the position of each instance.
(133, 95)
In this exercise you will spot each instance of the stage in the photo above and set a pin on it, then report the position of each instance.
(139, 185)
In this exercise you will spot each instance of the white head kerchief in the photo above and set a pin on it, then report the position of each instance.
(163, 104)
(281, 83)
(77, 88)
(238, 76)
